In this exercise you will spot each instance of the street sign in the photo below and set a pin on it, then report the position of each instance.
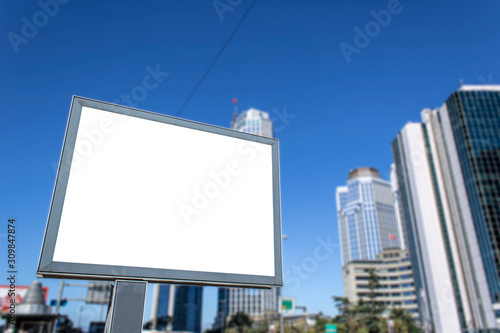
(287, 305)
(331, 328)
(98, 293)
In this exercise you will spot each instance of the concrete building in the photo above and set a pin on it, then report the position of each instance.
(397, 288)
(448, 173)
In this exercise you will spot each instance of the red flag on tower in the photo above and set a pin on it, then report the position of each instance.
(391, 236)
(234, 101)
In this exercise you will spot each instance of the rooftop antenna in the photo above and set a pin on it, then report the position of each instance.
(461, 82)
(235, 102)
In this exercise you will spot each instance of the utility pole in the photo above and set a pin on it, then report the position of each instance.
(305, 316)
(58, 305)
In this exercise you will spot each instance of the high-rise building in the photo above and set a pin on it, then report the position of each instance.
(260, 304)
(398, 207)
(448, 172)
(253, 121)
(185, 308)
(366, 216)
(395, 275)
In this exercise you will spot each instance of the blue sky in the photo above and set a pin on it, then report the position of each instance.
(284, 59)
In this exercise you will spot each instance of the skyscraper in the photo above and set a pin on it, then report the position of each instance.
(253, 121)
(448, 172)
(187, 307)
(366, 216)
(257, 303)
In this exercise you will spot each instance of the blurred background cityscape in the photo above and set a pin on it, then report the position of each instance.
(388, 116)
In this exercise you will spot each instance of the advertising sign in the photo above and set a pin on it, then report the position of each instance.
(145, 196)
(7, 293)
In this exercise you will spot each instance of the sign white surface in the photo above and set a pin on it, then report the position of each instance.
(144, 193)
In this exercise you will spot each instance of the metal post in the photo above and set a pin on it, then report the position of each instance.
(282, 323)
(102, 309)
(59, 298)
(80, 317)
(305, 316)
(127, 307)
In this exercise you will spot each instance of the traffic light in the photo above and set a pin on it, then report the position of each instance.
(54, 302)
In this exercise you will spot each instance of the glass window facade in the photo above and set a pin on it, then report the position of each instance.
(475, 121)
(367, 217)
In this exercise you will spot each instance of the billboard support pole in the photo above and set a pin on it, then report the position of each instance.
(127, 307)
(282, 323)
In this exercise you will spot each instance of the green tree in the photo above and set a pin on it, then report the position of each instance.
(320, 325)
(241, 321)
(346, 320)
(363, 317)
(403, 321)
(371, 311)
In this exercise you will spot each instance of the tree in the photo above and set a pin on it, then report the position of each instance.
(320, 325)
(346, 319)
(364, 316)
(403, 321)
(161, 322)
(240, 321)
(371, 311)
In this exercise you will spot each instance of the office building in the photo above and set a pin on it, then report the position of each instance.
(448, 173)
(393, 268)
(185, 308)
(259, 304)
(253, 121)
(366, 216)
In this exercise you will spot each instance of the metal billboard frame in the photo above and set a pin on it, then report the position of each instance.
(48, 268)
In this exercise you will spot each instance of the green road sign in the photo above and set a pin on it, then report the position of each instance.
(287, 305)
(331, 328)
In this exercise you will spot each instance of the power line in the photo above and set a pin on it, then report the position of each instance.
(216, 58)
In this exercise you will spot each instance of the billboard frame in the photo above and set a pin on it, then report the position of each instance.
(48, 268)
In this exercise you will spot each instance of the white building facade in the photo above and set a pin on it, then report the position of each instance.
(442, 237)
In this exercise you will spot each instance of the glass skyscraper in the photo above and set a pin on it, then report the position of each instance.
(448, 174)
(474, 116)
(187, 308)
(366, 216)
(259, 304)
(253, 121)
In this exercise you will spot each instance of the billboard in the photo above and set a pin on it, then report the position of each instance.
(98, 293)
(140, 195)
(18, 293)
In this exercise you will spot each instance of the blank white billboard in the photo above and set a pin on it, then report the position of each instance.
(145, 196)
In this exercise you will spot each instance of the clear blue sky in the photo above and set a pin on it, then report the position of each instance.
(286, 55)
